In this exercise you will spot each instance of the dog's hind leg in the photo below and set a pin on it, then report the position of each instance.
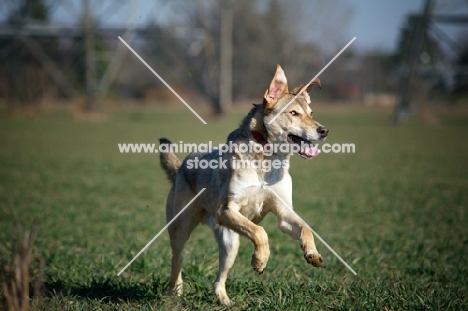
(179, 233)
(231, 217)
(228, 242)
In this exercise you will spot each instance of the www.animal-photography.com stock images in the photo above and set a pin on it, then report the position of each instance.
(233, 155)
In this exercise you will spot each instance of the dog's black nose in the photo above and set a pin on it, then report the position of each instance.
(323, 131)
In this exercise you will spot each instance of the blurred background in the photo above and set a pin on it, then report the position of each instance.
(219, 54)
(71, 91)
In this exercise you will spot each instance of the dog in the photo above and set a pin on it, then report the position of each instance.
(238, 198)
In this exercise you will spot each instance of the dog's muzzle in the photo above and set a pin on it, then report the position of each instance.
(323, 132)
(306, 148)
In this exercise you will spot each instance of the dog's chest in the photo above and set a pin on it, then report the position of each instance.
(252, 195)
(251, 202)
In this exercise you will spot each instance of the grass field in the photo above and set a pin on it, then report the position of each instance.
(396, 211)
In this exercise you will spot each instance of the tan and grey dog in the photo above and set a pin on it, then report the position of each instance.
(237, 198)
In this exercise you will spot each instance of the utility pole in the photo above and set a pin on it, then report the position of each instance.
(90, 57)
(402, 110)
(118, 58)
(225, 79)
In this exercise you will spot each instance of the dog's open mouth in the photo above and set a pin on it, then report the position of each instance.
(305, 148)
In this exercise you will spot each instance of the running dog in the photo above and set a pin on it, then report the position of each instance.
(237, 198)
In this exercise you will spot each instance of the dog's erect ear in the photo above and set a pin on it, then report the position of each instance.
(305, 92)
(278, 88)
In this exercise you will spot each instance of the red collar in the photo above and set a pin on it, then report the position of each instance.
(259, 138)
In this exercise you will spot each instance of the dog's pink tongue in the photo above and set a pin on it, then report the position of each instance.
(310, 151)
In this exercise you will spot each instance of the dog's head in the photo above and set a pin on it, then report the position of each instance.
(294, 124)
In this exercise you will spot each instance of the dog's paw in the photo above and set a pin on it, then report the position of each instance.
(314, 258)
(225, 301)
(220, 292)
(259, 264)
(176, 290)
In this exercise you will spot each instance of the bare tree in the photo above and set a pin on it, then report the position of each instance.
(263, 34)
(24, 79)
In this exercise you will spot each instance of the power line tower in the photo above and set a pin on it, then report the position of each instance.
(28, 31)
(86, 34)
(225, 58)
(427, 24)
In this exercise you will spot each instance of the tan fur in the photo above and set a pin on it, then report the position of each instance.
(169, 161)
(235, 199)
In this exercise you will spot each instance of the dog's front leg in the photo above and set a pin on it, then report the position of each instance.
(292, 225)
(231, 218)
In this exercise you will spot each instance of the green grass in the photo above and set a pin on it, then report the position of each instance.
(396, 211)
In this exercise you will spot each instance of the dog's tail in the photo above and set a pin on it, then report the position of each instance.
(169, 161)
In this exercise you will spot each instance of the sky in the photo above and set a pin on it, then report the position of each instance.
(375, 23)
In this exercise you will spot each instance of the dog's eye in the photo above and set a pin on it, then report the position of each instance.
(294, 113)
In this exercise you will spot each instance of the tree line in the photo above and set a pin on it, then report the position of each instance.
(184, 47)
